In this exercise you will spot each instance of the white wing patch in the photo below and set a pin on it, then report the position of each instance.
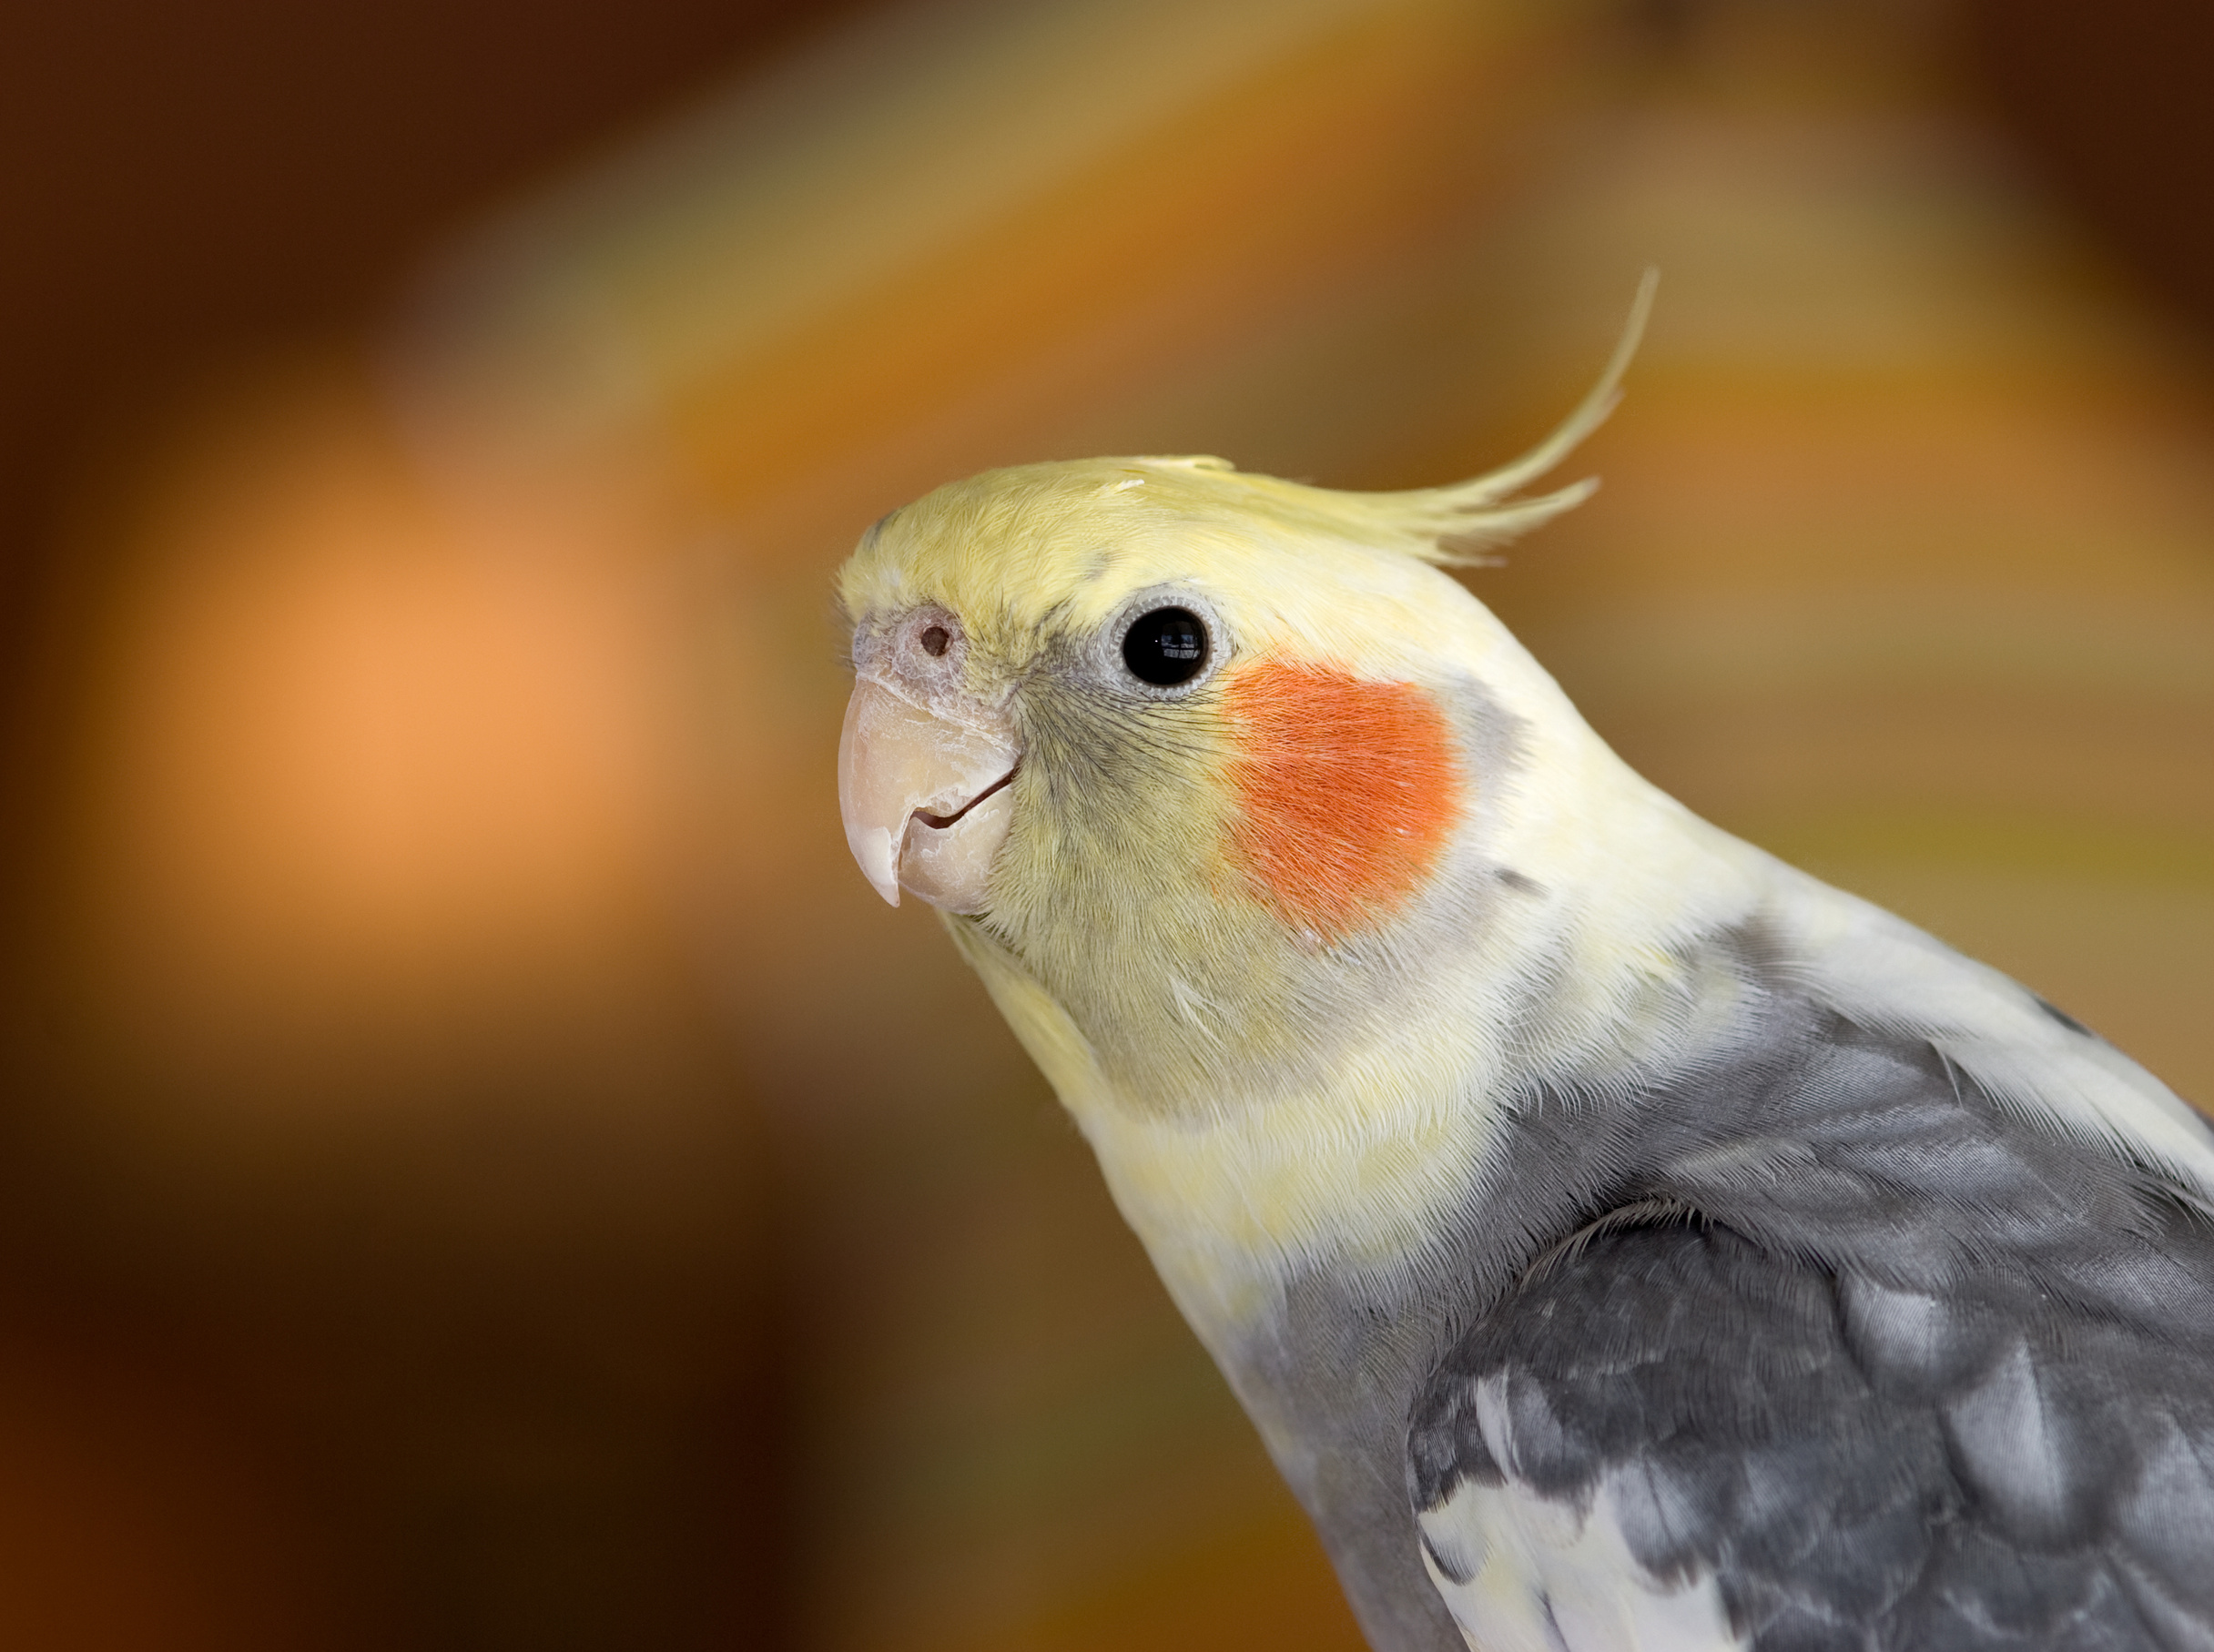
(1522, 1572)
(1542, 1575)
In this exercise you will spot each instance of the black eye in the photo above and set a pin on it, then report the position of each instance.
(1165, 647)
(936, 640)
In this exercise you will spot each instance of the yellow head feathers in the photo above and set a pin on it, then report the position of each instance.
(1013, 549)
(1313, 800)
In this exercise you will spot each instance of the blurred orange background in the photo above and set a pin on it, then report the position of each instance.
(483, 1169)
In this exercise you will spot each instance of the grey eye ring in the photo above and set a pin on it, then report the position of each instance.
(1165, 642)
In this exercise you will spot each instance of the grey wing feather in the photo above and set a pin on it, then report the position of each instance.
(1960, 1398)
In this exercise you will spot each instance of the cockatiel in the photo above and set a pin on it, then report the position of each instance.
(1621, 1240)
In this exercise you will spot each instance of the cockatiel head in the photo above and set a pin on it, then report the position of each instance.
(1224, 766)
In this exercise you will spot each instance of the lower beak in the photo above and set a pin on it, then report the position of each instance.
(925, 796)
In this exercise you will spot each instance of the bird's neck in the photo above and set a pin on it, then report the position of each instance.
(1354, 1161)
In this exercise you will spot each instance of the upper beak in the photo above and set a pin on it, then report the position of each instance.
(924, 794)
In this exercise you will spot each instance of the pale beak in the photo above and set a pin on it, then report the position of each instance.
(925, 796)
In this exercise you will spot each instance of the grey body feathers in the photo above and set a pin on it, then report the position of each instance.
(1894, 1364)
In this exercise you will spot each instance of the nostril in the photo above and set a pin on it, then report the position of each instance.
(936, 640)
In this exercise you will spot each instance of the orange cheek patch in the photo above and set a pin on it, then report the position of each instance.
(1346, 793)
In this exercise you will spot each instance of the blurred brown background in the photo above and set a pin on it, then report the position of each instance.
(478, 1168)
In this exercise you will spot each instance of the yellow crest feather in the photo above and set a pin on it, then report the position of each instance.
(1009, 548)
(1456, 526)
